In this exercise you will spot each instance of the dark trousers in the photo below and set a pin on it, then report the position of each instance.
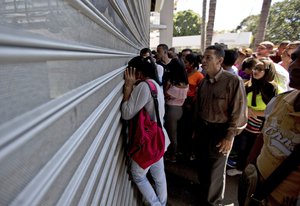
(243, 144)
(186, 127)
(211, 164)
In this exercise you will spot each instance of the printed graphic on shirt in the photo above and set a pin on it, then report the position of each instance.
(284, 140)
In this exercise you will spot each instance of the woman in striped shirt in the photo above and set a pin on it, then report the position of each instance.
(260, 89)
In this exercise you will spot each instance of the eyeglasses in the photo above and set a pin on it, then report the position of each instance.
(261, 48)
(258, 69)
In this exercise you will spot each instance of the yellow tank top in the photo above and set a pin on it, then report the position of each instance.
(260, 105)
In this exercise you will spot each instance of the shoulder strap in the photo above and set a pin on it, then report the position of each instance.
(154, 96)
(279, 174)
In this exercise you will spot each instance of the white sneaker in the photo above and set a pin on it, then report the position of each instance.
(233, 172)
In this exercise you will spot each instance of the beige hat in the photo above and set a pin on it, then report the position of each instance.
(246, 51)
(267, 44)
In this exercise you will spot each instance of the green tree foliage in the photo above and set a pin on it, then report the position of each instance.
(186, 23)
(250, 23)
(283, 23)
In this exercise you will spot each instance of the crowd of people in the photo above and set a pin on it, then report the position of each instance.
(215, 107)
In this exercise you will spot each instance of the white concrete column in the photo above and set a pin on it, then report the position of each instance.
(166, 18)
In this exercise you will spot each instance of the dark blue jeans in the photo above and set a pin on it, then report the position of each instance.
(242, 145)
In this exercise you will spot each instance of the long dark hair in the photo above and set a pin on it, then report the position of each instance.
(193, 59)
(146, 66)
(249, 63)
(265, 85)
(177, 72)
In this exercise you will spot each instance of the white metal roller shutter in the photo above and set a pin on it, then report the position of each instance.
(61, 80)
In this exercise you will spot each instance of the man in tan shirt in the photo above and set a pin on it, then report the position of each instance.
(281, 134)
(221, 114)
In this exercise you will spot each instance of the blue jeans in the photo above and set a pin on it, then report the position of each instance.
(158, 198)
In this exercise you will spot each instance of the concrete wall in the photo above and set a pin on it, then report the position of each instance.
(61, 79)
(233, 40)
(166, 19)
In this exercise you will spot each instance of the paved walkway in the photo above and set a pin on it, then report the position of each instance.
(183, 185)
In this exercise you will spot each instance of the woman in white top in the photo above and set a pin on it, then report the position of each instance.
(136, 97)
(175, 90)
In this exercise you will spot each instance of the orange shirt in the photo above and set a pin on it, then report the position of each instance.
(194, 80)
